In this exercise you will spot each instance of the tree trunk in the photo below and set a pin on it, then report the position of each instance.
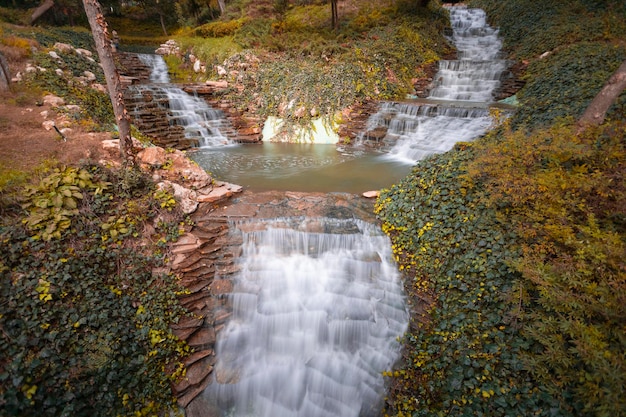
(103, 46)
(596, 111)
(163, 24)
(39, 11)
(5, 75)
(222, 5)
(335, 14)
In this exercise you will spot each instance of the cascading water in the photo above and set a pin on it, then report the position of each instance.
(159, 73)
(458, 106)
(317, 310)
(199, 120)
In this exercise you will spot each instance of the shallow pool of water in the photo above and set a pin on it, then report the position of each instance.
(301, 167)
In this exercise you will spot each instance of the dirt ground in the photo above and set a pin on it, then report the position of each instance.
(26, 144)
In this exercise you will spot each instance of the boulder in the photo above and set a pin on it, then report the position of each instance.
(187, 199)
(174, 166)
(219, 192)
(84, 52)
(63, 47)
(53, 100)
(90, 76)
(371, 194)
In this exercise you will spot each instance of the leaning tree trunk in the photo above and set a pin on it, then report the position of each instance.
(162, 18)
(596, 111)
(103, 46)
(222, 6)
(5, 75)
(39, 11)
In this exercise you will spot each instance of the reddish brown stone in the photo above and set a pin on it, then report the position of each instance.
(221, 286)
(204, 338)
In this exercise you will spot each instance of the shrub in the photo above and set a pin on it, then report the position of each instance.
(464, 353)
(531, 28)
(219, 29)
(564, 83)
(562, 193)
(85, 320)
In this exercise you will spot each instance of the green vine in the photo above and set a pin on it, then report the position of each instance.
(84, 320)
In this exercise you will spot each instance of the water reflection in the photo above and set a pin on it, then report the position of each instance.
(301, 167)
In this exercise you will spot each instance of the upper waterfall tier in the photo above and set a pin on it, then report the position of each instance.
(458, 106)
(159, 73)
(478, 70)
(199, 121)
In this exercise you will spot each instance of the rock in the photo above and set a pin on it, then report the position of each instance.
(84, 52)
(192, 393)
(201, 407)
(125, 80)
(48, 124)
(221, 71)
(59, 72)
(72, 108)
(299, 113)
(63, 47)
(217, 84)
(168, 48)
(179, 167)
(186, 243)
(99, 87)
(187, 199)
(184, 333)
(204, 338)
(54, 55)
(53, 100)
(196, 66)
(111, 146)
(371, 194)
(196, 373)
(221, 286)
(196, 356)
(220, 192)
(91, 77)
(189, 322)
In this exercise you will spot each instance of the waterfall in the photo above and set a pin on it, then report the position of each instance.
(477, 72)
(199, 120)
(457, 108)
(159, 73)
(317, 310)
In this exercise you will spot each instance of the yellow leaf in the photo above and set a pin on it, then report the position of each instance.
(29, 391)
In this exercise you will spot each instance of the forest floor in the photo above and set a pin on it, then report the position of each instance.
(26, 144)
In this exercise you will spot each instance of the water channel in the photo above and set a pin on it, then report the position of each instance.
(318, 303)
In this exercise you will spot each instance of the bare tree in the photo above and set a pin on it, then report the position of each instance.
(596, 111)
(39, 11)
(335, 14)
(103, 46)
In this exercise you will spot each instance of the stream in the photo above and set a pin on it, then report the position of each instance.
(318, 304)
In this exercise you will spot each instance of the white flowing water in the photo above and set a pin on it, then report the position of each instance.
(317, 310)
(196, 116)
(159, 73)
(458, 106)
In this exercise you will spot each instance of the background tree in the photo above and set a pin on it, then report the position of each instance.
(335, 14)
(164, 9)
